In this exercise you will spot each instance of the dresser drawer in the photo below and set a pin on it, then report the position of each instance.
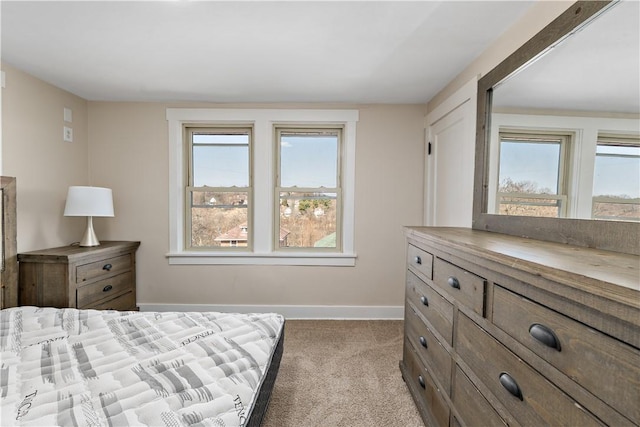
(575, 349)
(420, 260)
(532, 399)
(103, 267)
(464, 286)
(102, 289)
(126, 302)
(437, 310)
(420, 380)
(473, 408)
(428, 347)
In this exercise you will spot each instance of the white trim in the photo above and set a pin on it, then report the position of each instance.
(227, 258)
(335, 312)
(263, 121)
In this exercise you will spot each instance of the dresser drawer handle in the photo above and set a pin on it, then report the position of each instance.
(107, 288)
(510, 385)
(424, 300)
(423, 342)
(421, 381)
(453, 282)
(418, 260)
(107, 267)
(545, 335)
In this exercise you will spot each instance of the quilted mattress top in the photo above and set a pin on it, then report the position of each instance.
(107, 368)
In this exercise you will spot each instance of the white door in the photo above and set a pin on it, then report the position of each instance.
(450, 166)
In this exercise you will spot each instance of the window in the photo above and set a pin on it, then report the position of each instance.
(532, 175)
(218, 193)
(261, 186)
(308, 188)
(616, 179)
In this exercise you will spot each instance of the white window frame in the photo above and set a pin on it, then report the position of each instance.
(264, 122)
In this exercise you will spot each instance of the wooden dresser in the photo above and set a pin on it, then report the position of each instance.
(501, 330)
(101, 277)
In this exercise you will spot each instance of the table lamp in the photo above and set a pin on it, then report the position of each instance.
(89, 202)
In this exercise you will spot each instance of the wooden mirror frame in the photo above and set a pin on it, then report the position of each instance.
(614, 236)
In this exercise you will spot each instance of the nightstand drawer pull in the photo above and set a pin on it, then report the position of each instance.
(421, 381)
(107, 267)
(107, 288)
(423, 342)
(453, 282)
(418, 260)
(545, 335)
(424, 300)
(510, 385)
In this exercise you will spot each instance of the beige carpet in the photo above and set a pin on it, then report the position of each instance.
(341, 373)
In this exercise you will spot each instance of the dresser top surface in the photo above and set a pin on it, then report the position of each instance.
(599, 271)
(75, 251)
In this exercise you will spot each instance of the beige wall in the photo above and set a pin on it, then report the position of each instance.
(129, 153)
(44, 165)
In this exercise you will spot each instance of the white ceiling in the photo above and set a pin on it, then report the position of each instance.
(243, 51)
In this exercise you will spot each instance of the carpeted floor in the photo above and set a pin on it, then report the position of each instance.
(341, 373)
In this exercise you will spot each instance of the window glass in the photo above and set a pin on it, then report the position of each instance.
(220, 160)
(308, 191)
(219, 192)
(616, 182)
(531, 175)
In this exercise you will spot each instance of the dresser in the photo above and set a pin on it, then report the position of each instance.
(100, 277)
(502, 330)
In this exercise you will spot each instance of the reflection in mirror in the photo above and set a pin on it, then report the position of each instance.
(564, 135)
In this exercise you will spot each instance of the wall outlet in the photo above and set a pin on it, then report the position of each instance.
(67, 134)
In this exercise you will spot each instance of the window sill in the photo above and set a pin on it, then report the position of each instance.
(226, 258)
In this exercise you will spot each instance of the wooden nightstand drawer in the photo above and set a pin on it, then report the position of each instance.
(464, 286)
(97, 291)
(427, 393)
(437, 310)
(529, 397)
(473, 408)
(582, 353)
(126, 302)
(422, 261)
(428, 347)
(104, 267)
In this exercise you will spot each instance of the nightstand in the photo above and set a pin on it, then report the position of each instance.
(99, 277)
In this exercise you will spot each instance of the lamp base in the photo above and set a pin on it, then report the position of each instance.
(89, 238)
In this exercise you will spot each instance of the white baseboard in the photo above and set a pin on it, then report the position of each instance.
(336, 312)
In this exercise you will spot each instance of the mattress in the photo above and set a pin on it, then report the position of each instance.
(108, 368)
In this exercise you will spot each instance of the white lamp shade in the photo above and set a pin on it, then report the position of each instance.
(89, 201)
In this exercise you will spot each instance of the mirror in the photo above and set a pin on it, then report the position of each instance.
(558, 142)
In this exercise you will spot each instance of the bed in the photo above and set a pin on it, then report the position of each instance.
(63, 366)
(110, 368)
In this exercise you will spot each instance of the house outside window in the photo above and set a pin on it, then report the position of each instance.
(616, 178)
(531, 177)
(261, 186)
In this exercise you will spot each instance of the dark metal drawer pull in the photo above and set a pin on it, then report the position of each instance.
(423, 342)
(418, 260)
(545, 335)
(421, 381)
(107, 267)
(424, 300)
(510, 385)
(107, 288)
(453, 282)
